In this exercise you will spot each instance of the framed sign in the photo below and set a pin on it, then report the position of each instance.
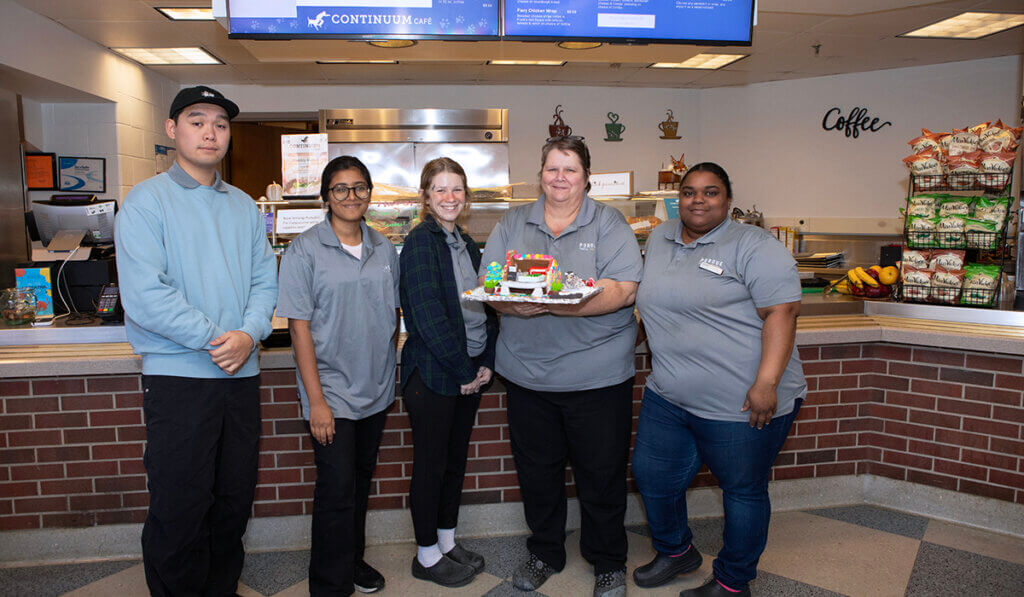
(604, 184)
(41, 171)
(83, 174)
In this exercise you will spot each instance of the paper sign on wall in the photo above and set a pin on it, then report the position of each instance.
(303, 158)
(297, 221)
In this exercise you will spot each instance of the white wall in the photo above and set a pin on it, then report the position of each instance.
(769, 136)
(531, 110)
(132, 102)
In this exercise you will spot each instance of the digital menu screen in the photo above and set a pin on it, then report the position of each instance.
(364, 19)
(707, 22)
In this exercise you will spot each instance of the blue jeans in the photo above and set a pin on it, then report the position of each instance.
(671, 445)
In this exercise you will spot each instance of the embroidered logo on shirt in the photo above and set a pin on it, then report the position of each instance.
(387, 267)
(588, 246)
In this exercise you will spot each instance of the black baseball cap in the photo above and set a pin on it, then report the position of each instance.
(202, 95)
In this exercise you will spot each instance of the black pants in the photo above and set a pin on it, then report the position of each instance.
(591, 430)
(441, 426)
(202, 446)
(344, 469)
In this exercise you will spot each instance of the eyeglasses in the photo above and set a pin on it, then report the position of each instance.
(342, 191)
(566, 138)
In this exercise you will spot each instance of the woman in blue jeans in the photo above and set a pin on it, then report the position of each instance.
(719, 301)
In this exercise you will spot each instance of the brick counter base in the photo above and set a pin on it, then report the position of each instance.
(71, 447)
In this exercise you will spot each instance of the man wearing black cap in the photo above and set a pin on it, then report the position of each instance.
(198, 283)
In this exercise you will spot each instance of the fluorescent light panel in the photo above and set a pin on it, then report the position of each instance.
(703, 61)
(969, 25)
(357, 62)
(184, 13)
(526, 62)
(166, 56)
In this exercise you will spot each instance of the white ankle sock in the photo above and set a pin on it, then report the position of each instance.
(428, 556)
(446, 539)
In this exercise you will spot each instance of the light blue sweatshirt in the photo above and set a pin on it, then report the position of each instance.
(193, 261)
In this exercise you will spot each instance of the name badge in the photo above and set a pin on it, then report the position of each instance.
(704, 265)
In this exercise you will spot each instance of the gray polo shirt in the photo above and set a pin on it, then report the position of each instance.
(350, 306)
(562, 354)
(702, 325)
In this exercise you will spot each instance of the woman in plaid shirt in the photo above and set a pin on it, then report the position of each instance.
(447, 360)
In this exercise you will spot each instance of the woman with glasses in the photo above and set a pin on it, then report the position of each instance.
(570, 370)
(339, 290)
(447, 360)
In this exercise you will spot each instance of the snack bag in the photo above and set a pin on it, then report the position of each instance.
(980, 284)
(926, 168)
(999, 138)
(946, 285)
(916, 283)
(981, 234)
(920, 231)
(992, 208)
(955, 206)
(927, 140)
(920, 209)
(930, 199)
(947, 259)
(916, 259)
(996, 169)
(964, 141)
(962, 170)
(949, 231)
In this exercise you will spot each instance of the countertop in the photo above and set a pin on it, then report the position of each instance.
(834, 319)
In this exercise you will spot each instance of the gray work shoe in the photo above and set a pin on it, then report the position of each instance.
(610, 584)
(531, 574)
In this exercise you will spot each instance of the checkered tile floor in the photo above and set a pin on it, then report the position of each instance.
(855, 550)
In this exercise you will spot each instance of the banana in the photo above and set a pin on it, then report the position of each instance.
(865, 277)
(842, 288)
(877, 269)
(854, 278)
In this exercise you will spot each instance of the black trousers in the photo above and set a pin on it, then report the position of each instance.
(202, 445)
(344, 469)
(441, 426)
(590, 429)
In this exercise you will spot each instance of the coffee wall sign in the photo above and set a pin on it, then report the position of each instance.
(853, 123)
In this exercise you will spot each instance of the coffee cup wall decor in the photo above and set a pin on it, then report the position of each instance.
(669, 127)
(614, 129)
(558, 128)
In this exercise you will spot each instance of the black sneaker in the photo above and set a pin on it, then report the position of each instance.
(664, 568)
(469, 558)
(366, 578)
(446, 572)
(531, 574)
(610, 584)
(712, 588)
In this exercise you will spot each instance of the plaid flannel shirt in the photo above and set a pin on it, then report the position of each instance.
(436, 341)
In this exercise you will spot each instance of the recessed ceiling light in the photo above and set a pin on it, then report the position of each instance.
(527, 62)
(392, 43)
(579, 45)
(357, 62)
(184, 13)
(164, 56)
(969, 25)
(705, 61)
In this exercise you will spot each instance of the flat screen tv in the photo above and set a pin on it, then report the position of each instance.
(364, 19)
(701, 22)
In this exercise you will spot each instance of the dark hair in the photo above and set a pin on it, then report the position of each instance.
(713, 168)
(432, 169)
(568, 144)
(345, 162)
